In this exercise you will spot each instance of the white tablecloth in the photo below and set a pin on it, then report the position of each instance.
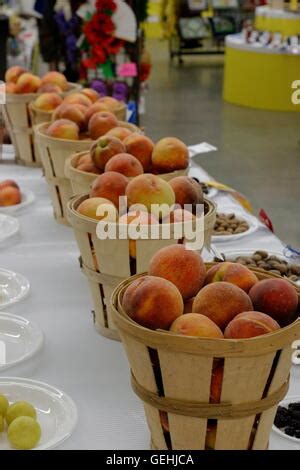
(91, 369)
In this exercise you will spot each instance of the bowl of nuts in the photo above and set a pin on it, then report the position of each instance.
(233, 225)
(273, 262)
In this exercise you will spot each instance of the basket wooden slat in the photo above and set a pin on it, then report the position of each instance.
(256, 374)
(18, 120)
(112, 257)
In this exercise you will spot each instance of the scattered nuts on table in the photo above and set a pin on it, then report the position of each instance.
(229, 224)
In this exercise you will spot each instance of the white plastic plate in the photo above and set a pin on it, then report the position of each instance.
(9, 226)
(27, 198)
(13, 288)
(285, 402)
(20, 340)
(56, 411)
(250, 219)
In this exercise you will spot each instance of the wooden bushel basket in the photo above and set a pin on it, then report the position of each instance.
(18, 120)
(107, 262)
(82, 181)
(54, 153)
(172, 375)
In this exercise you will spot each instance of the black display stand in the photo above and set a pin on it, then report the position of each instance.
(4, 32)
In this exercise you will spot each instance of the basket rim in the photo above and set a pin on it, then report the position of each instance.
(29, 97)
(218, 347)
(74, 202)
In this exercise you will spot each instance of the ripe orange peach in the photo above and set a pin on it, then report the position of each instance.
(72, 112)
(89, 167)
(153, 302)
(234, 273)
(120, 132)
(13, 73)
(49, 88)
(221, 302)
(92, 94)
(28, 83)
(90, 208)
(137, 218)
(170, 154)
(150, 191)
(250, 324)
(78, 98)
(188, 305)
(195, 324)
(10, 88)
(48, 101)
(95, 108)
(126, 164)
(63, 129)
(184, 267)
(56, 78)
(101, 123)
(7, 183)
(10, 196)
(141, 147)
(179, 216)
(277, 298)
(187, 191)
(110, 185)
(110, 102)
(216, 384)
(104, 149)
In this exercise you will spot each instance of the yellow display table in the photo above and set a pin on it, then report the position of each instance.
(259, 77)
(277, 21)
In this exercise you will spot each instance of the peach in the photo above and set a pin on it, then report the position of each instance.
(234, 273)
(126, 164)
(216, 383)
(28, 83)
(153, 302)
(78, 98)
(95, 108)
(13, 73)
(11, 88)
(187, 191)
(170, 154)
(275, 297)
(181, 266)
(56, 78)
(211, 435)
(8, 183)
(90, 208)
(221, 302)
(195, 324)
(92, 94)
(48, 101)
(120, 132)
(49, 88)
(137, 218)
(111, 103)
(151, 191)
(85, 158)
(72, 112)
(179, 216)
(110, 185)
(250, 324)
(89, 167)
(10, 196)
(141, 147)
(164, 421)
(101, 123)
(63, 129)
(104, 149)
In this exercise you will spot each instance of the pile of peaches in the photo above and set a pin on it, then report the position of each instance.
(133, 154)
(20, 81)
(10, 194)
